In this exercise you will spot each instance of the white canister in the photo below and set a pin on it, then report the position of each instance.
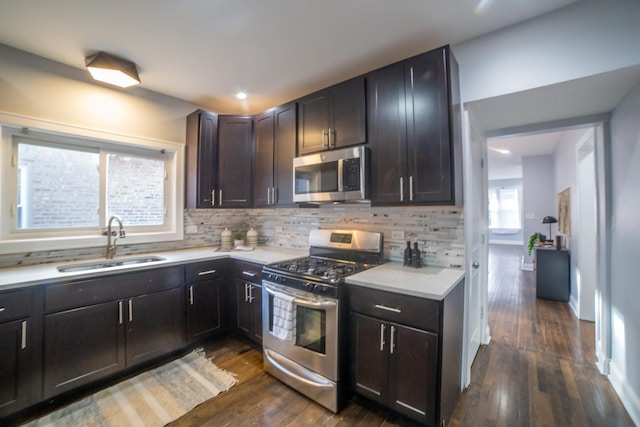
(226, 240)
(252, 238)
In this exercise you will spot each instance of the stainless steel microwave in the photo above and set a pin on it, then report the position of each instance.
(331, 176)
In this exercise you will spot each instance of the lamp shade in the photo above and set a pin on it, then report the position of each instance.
(549, 220)
(113, 70)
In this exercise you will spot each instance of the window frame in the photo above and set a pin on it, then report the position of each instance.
(498, 189)
(13, 240)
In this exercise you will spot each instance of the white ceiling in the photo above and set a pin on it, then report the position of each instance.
(204, 51)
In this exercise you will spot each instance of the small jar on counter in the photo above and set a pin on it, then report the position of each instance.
(252, 238)
(226, 239)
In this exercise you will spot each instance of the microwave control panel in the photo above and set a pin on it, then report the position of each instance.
(351, 174)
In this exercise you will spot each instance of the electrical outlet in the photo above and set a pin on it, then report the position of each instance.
(397, 235)
(190, 229)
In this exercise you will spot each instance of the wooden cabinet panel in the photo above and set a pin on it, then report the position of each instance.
(285, 150)
(243, 307)
(412, 108)
(202, 159)
(369, 359)
(428, 138)
(387, 130)
(413, 372)
(15, 351)
(333, 117)
(248, 300)
(204, 314)
(234, 161)
(154, 325)
(94, 350)
(263, 150)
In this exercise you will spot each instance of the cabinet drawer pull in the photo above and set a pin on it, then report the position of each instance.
(382, 337)
(2, 309)
(120, 312)
(384, 307)
(191, 295)
(204, 273)
(393, 331)
(23, 340)
(248, 273)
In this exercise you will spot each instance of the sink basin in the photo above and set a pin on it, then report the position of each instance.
(107, 264)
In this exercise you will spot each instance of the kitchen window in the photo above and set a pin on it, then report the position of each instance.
(59, 190)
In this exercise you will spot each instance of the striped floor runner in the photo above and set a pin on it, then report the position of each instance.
(153, 398)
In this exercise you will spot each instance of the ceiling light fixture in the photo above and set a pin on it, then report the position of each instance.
(113, 70)
(241, 95)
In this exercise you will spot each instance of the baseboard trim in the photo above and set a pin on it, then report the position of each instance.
(506, 242)
(625, 392)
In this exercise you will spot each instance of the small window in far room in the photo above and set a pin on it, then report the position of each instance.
(504, 208)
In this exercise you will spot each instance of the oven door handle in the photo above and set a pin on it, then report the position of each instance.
(298, 301)
(314, 380)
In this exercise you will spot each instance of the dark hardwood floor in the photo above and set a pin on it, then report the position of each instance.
(538, 370)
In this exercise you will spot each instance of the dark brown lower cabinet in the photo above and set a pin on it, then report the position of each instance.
(207, 299)
(249, 309)
(154, 325)
(396, 366)
(406, 352)
(15, 357)
(82, 345)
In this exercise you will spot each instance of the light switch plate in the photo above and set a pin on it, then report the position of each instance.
(397, 235)
(530, 215)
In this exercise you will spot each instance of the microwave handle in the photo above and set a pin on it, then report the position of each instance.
(340, 171)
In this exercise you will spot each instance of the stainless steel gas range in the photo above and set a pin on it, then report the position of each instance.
(304, 312)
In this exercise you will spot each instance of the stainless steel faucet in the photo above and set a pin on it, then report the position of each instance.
(111, 246)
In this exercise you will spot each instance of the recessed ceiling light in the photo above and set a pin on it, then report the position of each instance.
(241, 95)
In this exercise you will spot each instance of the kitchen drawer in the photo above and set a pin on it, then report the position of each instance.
(111, 288)
(15, 305)
(205, 270)
(403, 309)
(248, 271)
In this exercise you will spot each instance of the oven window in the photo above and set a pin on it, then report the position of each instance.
(317, 178)
(311, 328)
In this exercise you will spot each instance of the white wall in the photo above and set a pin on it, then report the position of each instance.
(625, 237)
(538, 196)
(35, 87)
(586, 38)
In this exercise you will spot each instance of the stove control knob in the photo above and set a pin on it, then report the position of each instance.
(308, 286)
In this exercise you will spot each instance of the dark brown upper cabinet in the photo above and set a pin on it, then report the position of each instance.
(235, 139)
(332, 118)
(202, 159)
(413, 116)
(274, 148)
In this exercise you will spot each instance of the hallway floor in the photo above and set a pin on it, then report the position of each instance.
(539, 368)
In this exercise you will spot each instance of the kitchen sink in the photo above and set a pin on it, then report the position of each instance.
(107, 264)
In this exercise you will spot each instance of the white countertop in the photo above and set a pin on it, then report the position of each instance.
(47, 273)
(426, 282)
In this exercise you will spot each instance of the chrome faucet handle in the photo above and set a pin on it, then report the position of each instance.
(123, 234)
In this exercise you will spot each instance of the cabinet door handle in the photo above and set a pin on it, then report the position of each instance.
(213, 197)
(246, 293)
(130, 311)
(220, 197)
(401, 189)
(248, 273)
(324, 132)
(23, 339)
(120, 312)
(191, 295)
(2, 309)
(384, 307)
(332, 142)
(204, 273)
(250, 292)
(393, 331)
(410, 187)
(268, 195)
(382, 337)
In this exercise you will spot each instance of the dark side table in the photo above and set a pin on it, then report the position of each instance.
(552, 274)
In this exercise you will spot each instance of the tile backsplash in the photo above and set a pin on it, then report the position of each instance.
(439, 231)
